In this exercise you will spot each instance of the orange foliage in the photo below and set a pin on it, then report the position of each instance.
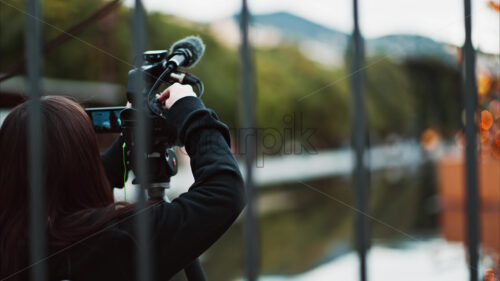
(494, 108)
(429, 139)
(490, 275)
(484, 135)
(484, 83)
(494, 5)
(497, 139)
(486, 120)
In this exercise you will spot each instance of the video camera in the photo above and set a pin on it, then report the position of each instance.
(158, 68)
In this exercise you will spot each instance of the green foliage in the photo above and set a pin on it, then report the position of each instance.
(288, 85)
(389, 100)
(218, 68)
(11, 33)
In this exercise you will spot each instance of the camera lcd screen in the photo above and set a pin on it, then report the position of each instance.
(105, 120)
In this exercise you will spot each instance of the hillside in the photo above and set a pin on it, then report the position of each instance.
(314, 38)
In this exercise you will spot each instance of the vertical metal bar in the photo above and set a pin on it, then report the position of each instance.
(358, 141)
(144, 270)
(37, 214)
(470, 97)
(248, 123)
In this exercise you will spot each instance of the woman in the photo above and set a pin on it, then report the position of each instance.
(90, 236)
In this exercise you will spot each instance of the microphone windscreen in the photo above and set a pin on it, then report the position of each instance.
(193, 44)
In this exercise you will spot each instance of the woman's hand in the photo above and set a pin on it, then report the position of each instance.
(174, 93)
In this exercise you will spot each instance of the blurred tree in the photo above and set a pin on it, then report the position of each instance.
(289, 86)
(437, 90)
(390, 103)
(218, 68)
(11, 32)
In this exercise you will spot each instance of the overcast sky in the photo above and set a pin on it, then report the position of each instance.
(439, 19)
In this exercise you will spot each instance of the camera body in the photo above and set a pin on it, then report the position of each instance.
(145, 80)
(142, 81)
(142, 85)
(139, 85)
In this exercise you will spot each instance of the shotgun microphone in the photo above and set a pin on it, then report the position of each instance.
(186, 52)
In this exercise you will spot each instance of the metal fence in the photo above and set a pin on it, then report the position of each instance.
(38, 245)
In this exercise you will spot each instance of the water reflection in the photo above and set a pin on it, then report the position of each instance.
(307, 231)
(302, 228)
(431, 260)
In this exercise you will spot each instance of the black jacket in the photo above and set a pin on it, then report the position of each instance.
(181, 230)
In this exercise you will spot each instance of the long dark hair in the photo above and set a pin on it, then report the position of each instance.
(75, 181)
